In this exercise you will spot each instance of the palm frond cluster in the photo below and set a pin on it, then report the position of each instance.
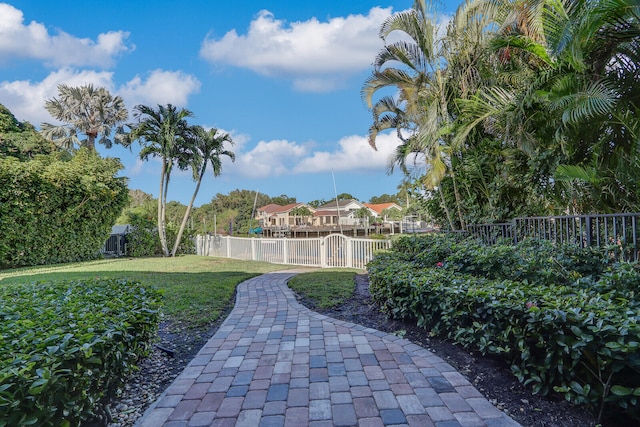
(514, 107)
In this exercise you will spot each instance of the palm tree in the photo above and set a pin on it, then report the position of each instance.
(163, 133)
(85, 110)
(577, 103)
(429, 71)
(207, 147)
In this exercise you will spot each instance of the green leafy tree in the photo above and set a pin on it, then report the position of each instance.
(20, 139)
(317, 203)
(283, 200)
(384, 198)
(207, 148)
(345, 196)
(85, 111)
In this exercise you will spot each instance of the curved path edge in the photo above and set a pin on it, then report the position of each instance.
(274, 362)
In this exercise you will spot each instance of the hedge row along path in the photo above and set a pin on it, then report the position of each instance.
(273, 362)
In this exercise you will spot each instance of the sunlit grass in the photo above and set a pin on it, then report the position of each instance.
(326, 288)
(196, 289)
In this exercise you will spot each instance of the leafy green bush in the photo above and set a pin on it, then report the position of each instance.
(564, 318)
(68, 346)
(55, 210)
(143, 240)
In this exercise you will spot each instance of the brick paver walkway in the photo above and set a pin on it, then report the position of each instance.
(273, 362)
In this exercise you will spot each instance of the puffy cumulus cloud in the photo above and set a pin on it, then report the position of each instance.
(282, 157)
(312, 53)
(269, 159)
(33, 41)
(26, 99)
(353, 154)
(160, 87)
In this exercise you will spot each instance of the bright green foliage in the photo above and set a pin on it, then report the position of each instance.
(142, 240)
(54, 211)
(18, 139)
(68, 346)
(566, 319)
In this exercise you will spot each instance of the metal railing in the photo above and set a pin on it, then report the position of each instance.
(335, 250)
(618, 232)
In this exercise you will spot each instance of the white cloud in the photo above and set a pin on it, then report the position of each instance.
(280, 157)
(160, 87)
(308, 52)
(269, 159)
(26, 99)
(353, 154)
(33, 41)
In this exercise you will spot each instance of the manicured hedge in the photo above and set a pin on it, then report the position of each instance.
(66, 347)
(55, 209)
(566, 319)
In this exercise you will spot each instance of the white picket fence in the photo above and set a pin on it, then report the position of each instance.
(335, 250)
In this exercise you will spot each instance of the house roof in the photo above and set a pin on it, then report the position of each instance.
(379, 207)
(341, 204)
(272, 208)
(120, 229)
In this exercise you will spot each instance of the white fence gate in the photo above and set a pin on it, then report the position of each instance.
(335, 250)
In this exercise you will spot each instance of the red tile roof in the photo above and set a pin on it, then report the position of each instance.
(379, 207)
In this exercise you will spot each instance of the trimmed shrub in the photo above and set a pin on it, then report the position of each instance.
(56, 211)
(67, 347)
(565, 319)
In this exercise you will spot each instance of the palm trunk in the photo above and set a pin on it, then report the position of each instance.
(446, 209)
(91, 143)
(456, 193)
(165, 246)
(186, 214)
(161, 235)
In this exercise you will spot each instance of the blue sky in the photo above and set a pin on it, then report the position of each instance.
(283, 78)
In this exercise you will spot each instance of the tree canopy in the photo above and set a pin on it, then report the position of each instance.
(519, 108)
(85, 111)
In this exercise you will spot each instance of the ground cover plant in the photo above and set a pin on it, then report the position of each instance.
(565, 319)
(55, 316)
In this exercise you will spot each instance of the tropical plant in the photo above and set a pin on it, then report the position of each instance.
(163, 133)
(300, 213)
(207, 146)
(576, 106)
(85, 110)
(430, 70)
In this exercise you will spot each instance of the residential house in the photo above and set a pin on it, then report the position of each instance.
(378, 209)
(327, 215)
(273, 215)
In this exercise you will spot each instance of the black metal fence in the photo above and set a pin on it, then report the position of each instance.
(617, 232)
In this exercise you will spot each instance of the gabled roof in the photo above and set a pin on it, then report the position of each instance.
(272, 208)
(379, 207)
(341, 204)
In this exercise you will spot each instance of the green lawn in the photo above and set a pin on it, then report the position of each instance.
(195, 288)
(326, 288)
